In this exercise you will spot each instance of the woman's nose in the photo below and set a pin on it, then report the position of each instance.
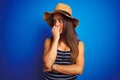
(57, 24)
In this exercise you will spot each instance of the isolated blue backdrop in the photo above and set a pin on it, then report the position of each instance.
(23, 31)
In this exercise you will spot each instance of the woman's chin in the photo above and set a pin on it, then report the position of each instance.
(60, 32)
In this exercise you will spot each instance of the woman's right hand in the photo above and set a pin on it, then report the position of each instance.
(55, 33)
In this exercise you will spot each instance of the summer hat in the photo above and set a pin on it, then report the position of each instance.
(63, 9)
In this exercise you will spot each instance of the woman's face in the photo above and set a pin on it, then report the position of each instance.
(58, 21)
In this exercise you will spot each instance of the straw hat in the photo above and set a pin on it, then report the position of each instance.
(63, 9)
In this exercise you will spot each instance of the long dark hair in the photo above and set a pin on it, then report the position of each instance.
(69, 37)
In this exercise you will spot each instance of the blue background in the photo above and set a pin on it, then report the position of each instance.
(23, 31)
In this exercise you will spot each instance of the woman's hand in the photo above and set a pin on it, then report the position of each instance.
(46, 70)
(55, 32)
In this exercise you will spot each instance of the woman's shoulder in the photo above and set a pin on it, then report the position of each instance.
(81, 43)
(48, 40)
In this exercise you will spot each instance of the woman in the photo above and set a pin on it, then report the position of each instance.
(63, 53)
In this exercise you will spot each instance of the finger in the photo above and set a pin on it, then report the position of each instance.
(56, 28)
(53, 28)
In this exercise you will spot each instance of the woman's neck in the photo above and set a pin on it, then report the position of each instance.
(62, 46)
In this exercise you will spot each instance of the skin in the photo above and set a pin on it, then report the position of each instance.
(50, 51)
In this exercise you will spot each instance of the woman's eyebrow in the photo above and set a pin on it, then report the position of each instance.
(57, 18)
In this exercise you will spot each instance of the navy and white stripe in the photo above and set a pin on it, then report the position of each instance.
(63, 58)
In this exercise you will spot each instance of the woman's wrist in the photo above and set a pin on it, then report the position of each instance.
(54, 66)
(56, 40)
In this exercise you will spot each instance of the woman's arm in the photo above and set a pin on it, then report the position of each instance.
(50, 53)
(74, 68)
(50, 49)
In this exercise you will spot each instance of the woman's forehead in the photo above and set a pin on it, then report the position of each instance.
(57, 16)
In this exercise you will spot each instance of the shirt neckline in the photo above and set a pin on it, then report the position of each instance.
(63, 51)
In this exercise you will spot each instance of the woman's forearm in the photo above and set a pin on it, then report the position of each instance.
(68, 69)
(50, 55)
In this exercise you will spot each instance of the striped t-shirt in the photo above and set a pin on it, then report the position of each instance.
(63, 58)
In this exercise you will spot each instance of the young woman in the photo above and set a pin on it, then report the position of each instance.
(63, 53)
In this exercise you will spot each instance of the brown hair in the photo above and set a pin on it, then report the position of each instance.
(69, 37)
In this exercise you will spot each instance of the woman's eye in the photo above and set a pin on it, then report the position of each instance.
(61, 21)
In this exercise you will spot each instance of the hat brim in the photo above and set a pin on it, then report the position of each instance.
(48, 18)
